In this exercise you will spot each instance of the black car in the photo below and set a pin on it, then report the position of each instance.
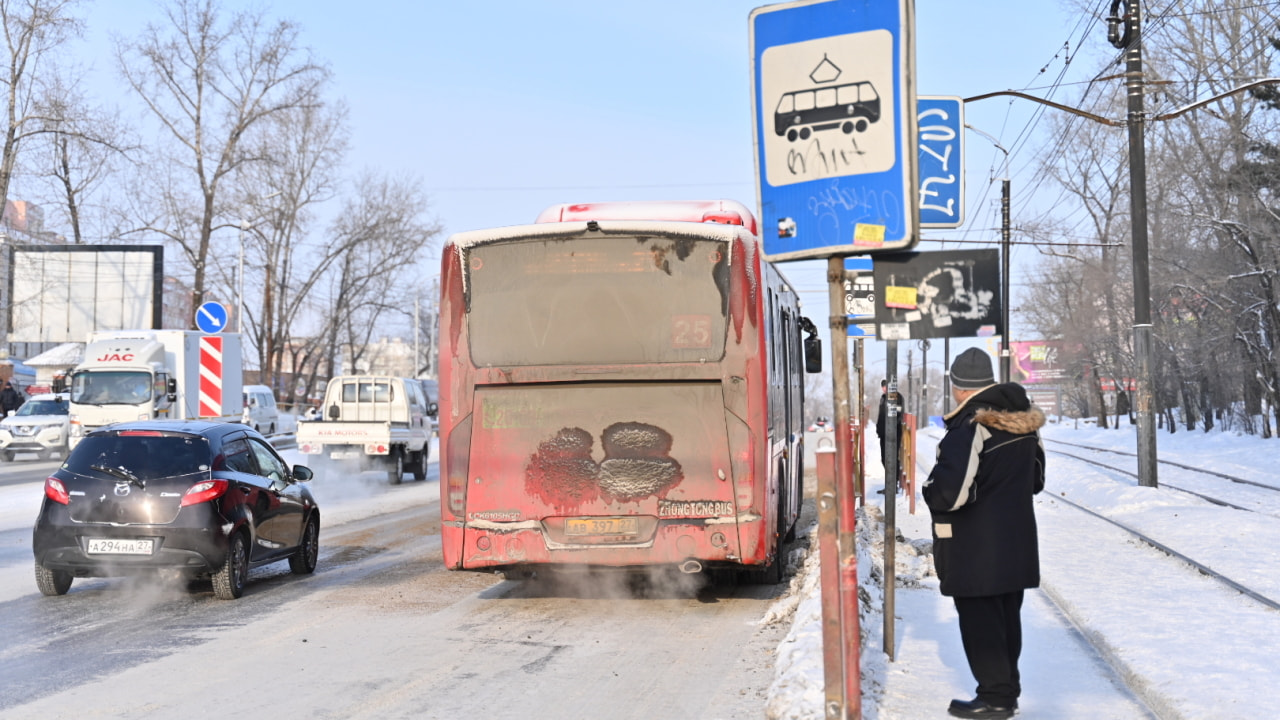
(201, 498)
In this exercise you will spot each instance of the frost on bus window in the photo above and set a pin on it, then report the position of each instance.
(603, 300)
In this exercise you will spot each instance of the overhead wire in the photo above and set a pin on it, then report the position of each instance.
(1080, 31)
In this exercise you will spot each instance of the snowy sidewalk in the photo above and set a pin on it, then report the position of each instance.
(1063, 678)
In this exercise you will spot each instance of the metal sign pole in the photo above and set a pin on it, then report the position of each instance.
(891, 440)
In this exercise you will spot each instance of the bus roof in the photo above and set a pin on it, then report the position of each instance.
(725, 212)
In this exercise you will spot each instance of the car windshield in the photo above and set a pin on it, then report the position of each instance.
(146, 457)
(110, 387)
(44, 407)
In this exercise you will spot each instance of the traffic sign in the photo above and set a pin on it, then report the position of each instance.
(941, 143)
(211, 317)
(859, 297)
(833, 103)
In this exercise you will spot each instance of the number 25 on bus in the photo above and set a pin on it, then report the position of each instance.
(621, 385)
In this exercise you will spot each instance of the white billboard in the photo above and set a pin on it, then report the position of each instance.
(59, 293)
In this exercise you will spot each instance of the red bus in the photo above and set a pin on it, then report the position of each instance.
(621, 385)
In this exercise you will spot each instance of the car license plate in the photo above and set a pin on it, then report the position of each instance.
(345, 455)
(120, 546)
(607, 526)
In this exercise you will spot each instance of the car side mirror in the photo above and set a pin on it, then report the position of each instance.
(433, 409)
(302, 473)
(812, 346)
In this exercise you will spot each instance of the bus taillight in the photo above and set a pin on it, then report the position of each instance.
(458, 462)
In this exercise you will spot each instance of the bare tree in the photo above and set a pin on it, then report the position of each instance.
(34, 30)
(306, 146)
(207, 83)
(386, 228)
(82, 147)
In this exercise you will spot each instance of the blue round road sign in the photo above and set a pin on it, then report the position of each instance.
(211, 317)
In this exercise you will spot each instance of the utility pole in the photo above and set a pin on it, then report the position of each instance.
(1005, 243)
(1126, 33)
(1130, 39)
(1004, 280)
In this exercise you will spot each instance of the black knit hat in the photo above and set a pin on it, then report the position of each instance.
(972, 370)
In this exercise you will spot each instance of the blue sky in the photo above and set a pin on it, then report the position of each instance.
(504, 108)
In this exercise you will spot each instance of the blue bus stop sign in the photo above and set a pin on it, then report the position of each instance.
(941, 143)
(211, 317)
(833, 102)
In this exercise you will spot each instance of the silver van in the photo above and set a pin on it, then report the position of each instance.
(260, 412)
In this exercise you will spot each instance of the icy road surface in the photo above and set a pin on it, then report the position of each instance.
(381, 630)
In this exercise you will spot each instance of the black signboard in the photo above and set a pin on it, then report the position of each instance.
(949, 293)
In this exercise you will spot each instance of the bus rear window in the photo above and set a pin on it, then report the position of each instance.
(610, 300)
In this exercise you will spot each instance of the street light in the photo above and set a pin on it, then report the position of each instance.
(246, 225)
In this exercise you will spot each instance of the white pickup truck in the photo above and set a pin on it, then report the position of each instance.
(375, 421)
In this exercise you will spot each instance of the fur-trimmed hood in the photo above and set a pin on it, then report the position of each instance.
(1003, 407)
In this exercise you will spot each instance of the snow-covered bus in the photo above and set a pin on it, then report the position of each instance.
(621, 385)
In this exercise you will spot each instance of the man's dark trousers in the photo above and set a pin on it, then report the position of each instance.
(991, 630)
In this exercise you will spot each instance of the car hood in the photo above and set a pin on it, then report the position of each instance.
(35, 420)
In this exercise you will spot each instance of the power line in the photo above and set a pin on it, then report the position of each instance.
(530, 188)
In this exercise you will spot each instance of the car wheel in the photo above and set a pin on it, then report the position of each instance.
(6, 455)
(52, 582)
(229, 580)
(420, 462)
(396, 473)
(303, 562)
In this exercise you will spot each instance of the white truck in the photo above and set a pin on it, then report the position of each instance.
(377, 421)
(155, 374)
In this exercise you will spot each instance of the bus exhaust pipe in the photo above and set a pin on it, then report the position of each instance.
(690, 567)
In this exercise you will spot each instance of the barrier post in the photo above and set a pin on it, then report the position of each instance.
(907, 478)
(829, 576)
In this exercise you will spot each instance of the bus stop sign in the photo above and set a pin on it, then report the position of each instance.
(833, 103)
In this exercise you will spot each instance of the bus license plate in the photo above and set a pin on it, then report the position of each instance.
(607, 526)
(119, 546)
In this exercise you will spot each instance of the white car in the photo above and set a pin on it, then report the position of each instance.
(260, 411)
(42, 426)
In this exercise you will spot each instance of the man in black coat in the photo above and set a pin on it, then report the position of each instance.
(882, 418)
(990, 464)
(10, 398)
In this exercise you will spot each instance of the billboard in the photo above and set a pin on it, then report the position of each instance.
(59, 293)
(1043, 362)
(944, 294)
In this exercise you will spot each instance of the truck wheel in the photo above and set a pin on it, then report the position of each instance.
(396, 473)
(420, 463)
